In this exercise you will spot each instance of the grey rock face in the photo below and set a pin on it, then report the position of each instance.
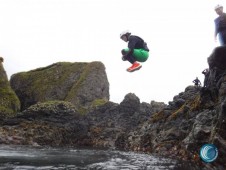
(78, 83)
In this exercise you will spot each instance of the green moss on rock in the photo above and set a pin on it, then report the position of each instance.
(91, 85)
(9, 102)
(46, 84)
(52, 107)
(98, 102)
(78, 83)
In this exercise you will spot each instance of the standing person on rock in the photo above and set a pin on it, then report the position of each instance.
(220, 25)
(137, 50)
(197, 82)
(206, 73)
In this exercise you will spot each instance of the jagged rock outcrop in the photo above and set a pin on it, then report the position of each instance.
(52, 123)
(157, 106)
(78, 83)
(168, 127)
(194, 117)
(9, 102)
(59, 123)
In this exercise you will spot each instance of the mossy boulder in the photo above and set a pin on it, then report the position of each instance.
(51, 109)
(9, 102)
(79, 83)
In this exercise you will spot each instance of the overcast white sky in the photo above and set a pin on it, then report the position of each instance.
(179, 33)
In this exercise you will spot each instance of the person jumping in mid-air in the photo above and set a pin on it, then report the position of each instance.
(137, 50)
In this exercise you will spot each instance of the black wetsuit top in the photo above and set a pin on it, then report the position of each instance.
(136, 42)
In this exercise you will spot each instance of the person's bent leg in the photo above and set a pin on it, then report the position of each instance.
(130, 58)
(140, 55)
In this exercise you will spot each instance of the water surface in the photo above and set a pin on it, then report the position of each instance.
(29, 158)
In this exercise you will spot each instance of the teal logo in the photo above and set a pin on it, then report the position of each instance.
(208, 153)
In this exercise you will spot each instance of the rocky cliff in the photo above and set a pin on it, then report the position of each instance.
(194, 117)
(78, 83)
(9, 102)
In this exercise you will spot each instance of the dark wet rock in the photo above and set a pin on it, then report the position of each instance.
(54, 123)
(201, 129)
(130, 104)
(157, 106)
(217, 58)
(179, 102)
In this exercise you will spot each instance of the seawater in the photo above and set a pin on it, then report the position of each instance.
(32, 158)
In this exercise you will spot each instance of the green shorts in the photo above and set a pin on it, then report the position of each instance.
(139, 54)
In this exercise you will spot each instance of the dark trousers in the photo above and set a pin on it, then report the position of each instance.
(222, 37)
(130, 58)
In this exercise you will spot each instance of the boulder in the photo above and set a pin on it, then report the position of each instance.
(130, 104)
(217, 67)
(218, 58)
(78, 83)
